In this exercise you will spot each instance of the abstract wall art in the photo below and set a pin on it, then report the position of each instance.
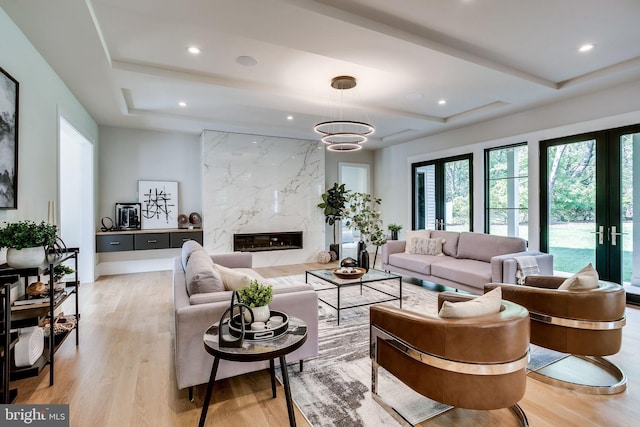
(8, 141)
(159, 201)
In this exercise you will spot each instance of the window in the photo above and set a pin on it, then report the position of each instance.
(507, 191)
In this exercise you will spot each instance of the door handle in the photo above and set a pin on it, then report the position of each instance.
(600, 234)
(614, 234)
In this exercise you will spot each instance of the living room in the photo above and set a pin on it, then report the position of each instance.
(129, 152)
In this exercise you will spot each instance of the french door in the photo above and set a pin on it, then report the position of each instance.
(592, 184)
(442, 194)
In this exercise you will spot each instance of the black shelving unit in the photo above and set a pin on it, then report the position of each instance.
(8, 339)
(31, 315)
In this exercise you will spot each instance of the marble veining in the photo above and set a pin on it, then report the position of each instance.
(258, 184)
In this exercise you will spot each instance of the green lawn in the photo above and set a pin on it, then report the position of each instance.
(573, 247)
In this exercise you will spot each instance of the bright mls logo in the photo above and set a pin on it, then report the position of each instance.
(34, 415)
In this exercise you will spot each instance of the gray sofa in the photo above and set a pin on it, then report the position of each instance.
(469, 260)
(195, 313)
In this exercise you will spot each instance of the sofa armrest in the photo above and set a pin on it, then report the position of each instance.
(392, 247)
(234, 259)
(504, 267)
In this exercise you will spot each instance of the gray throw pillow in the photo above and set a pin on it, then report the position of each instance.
(188, 248)
(201, 276)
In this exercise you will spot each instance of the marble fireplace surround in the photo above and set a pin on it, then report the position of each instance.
(260, 184)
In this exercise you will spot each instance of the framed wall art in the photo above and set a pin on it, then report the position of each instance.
(8, 141)
(128, 216)
(159, 204)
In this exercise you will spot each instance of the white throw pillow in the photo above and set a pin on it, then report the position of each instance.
(415, 234)
(422, 246)
(233, 280)
(200, 275)
(488, 303)
(583, 280)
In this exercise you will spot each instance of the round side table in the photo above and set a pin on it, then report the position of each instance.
(253, 351)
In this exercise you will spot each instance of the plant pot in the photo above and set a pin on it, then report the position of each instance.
(25, 257)
(394, 234)
(260, 314)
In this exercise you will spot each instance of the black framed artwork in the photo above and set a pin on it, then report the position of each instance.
(8, 141)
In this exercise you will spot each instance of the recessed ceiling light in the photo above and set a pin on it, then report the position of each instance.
(193, 50)
(442, 102)
(586, 47)
(289, 117)
(247, 61)
(182, 104)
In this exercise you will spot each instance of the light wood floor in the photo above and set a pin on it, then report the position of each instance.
(122, 374)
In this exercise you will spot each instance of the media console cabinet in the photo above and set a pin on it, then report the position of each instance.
(137, 240)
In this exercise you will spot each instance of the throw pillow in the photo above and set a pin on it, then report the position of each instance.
(200, 275)
(583, 280)
(488, 303)
(232, 279)
(415, 234)
(422, 246)
(188, 248)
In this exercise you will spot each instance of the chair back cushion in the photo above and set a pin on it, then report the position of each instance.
(483, 247)
(450, 246)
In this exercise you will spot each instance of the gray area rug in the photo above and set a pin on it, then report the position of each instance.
(334, 387)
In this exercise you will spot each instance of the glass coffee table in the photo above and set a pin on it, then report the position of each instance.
(368, 280)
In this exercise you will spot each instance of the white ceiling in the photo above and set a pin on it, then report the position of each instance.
(127, 63)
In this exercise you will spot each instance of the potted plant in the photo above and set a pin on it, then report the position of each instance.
(59, 271)
(26, 242)
(333, 203)
(394, 228)
(362, 214)
(257, 296)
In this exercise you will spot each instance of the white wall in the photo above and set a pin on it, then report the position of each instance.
(614, 107)
(129, 155)
(43, 97)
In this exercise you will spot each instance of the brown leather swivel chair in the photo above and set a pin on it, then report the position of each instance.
(453, 361)
(585, 324)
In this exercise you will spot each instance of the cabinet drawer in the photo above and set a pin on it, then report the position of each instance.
(114, 243)
(151, 241)
(177, 239)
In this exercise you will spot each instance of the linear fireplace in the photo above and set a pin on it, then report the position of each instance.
(257, 242)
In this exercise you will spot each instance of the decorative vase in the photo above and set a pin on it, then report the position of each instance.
(25, 257)
(362, 246)
(260, 314)
(394, 234)
(363, 256)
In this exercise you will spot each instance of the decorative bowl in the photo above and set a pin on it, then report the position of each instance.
(347, 276)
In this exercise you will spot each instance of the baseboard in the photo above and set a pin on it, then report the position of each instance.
(137, 266)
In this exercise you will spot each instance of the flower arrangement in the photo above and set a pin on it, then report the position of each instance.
(27, 234)
(256, 294)
(394, 227)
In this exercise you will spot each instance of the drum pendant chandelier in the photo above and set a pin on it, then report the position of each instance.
(340, 134)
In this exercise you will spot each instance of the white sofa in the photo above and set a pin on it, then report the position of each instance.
(195, 313)
(469, 260)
